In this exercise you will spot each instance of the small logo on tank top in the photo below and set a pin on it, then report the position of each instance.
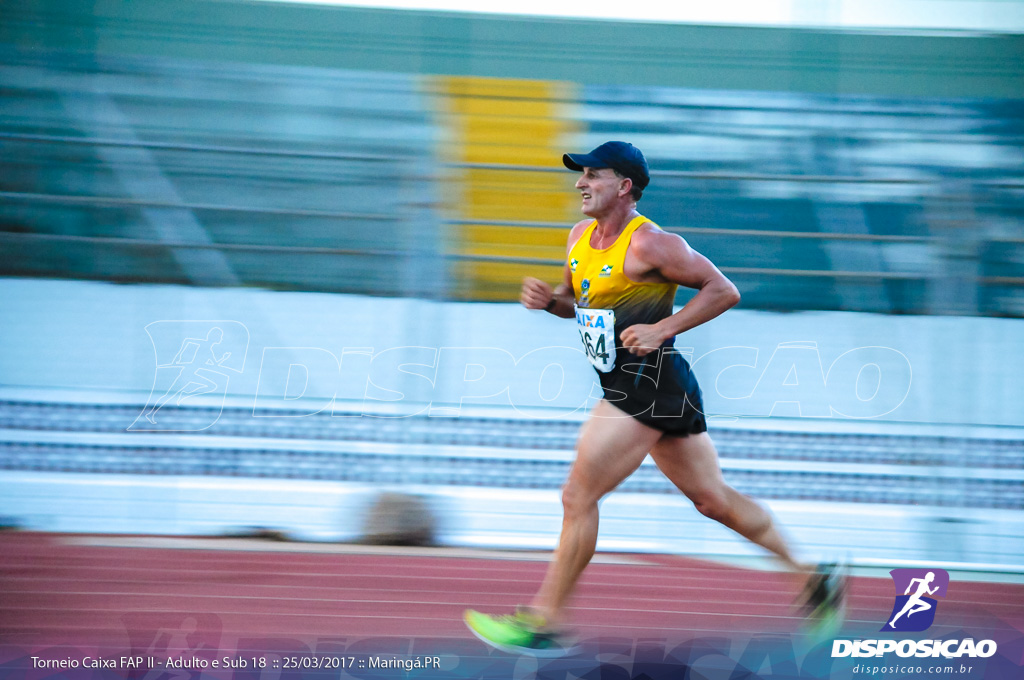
(584, 293)
(572, 264)
(606, 271)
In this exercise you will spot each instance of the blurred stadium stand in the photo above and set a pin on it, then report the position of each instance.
(166, 171)
(495, 482)
(821, 170)
(304, 179)
(224, 144)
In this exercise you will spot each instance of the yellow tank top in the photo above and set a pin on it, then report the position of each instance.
(599, 282)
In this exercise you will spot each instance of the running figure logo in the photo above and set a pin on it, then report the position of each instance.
(192, 360)
(914, 610)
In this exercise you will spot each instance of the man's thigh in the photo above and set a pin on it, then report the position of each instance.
(611, 446)
(691, 463)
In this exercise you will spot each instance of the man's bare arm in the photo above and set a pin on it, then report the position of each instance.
(561, 300)
(668, 257)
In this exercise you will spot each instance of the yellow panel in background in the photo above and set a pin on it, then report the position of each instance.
(522, 108)
(511, 155)
(515, 130)
(501, 88)
(519, 196)
(527, 242)
(499, 281)
(527, 180)
(515, 205)
(509, 140)
(513, 122)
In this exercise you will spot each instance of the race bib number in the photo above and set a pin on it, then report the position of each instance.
(597, 331)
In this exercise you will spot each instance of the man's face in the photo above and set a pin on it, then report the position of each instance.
(601, 190)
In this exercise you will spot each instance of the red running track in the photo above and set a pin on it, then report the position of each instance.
(58, 591)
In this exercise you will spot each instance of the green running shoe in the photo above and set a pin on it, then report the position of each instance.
(825, 603)
(519, 633)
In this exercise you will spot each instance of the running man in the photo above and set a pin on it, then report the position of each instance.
(619, 284)
(915, 604)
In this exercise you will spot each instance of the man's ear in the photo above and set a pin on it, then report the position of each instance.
(626, 186)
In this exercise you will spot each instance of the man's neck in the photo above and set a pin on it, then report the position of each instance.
(614, 222)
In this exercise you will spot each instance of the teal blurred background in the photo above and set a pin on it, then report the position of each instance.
(309, 148)
(340, 182)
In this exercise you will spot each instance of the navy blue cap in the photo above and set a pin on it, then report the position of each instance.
(621, 156)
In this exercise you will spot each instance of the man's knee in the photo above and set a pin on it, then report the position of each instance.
(713, 503)
(577, 498)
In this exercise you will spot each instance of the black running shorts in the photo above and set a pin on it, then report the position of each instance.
(659, 390)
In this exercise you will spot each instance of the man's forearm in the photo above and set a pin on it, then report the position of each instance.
(562, 302)
(709, 302)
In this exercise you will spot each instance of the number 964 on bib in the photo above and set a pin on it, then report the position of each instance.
(597, 331)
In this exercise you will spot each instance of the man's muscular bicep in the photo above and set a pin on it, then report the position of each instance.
(670, 257)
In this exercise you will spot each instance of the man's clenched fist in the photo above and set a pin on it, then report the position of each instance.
(536, 294)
